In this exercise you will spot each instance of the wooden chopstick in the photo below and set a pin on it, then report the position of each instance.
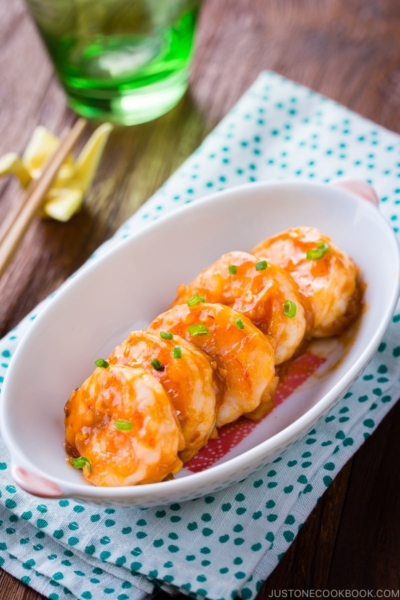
(35, 194)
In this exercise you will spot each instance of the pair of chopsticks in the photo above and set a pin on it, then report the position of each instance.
(35, 194)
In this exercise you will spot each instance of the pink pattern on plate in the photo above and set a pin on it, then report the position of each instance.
(231, 435)
(360, 188)
(35, 484)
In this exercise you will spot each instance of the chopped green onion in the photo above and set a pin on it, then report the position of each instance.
(79, 463)
(155, 363)
(290, 309)
(100, 362)
(198, 329)
(177, 352)
(197, 299)
(318, 252)
(232, 269)
(123, 425)
(260, 266)
(239, 324)
(166, 335)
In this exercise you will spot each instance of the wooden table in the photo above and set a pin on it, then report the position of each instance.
(346, 49)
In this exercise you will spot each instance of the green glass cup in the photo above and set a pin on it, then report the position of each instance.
(124, 61)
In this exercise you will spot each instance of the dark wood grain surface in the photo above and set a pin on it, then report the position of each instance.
(346, 49)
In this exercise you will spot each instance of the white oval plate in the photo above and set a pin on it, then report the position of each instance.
(126, 288)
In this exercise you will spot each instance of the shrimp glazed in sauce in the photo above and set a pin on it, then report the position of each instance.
(324, 274)
(244, 356)
(259, 290)
(187, 377)
(122, 422)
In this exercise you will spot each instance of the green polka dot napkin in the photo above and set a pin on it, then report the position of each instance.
(225, 544)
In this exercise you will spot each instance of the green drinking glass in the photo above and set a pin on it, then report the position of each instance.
(124, 61)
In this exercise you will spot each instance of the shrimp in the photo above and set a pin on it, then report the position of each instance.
(324, 274)
(121, 422)
(186, 375)
(242, 355)
(263, 292)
